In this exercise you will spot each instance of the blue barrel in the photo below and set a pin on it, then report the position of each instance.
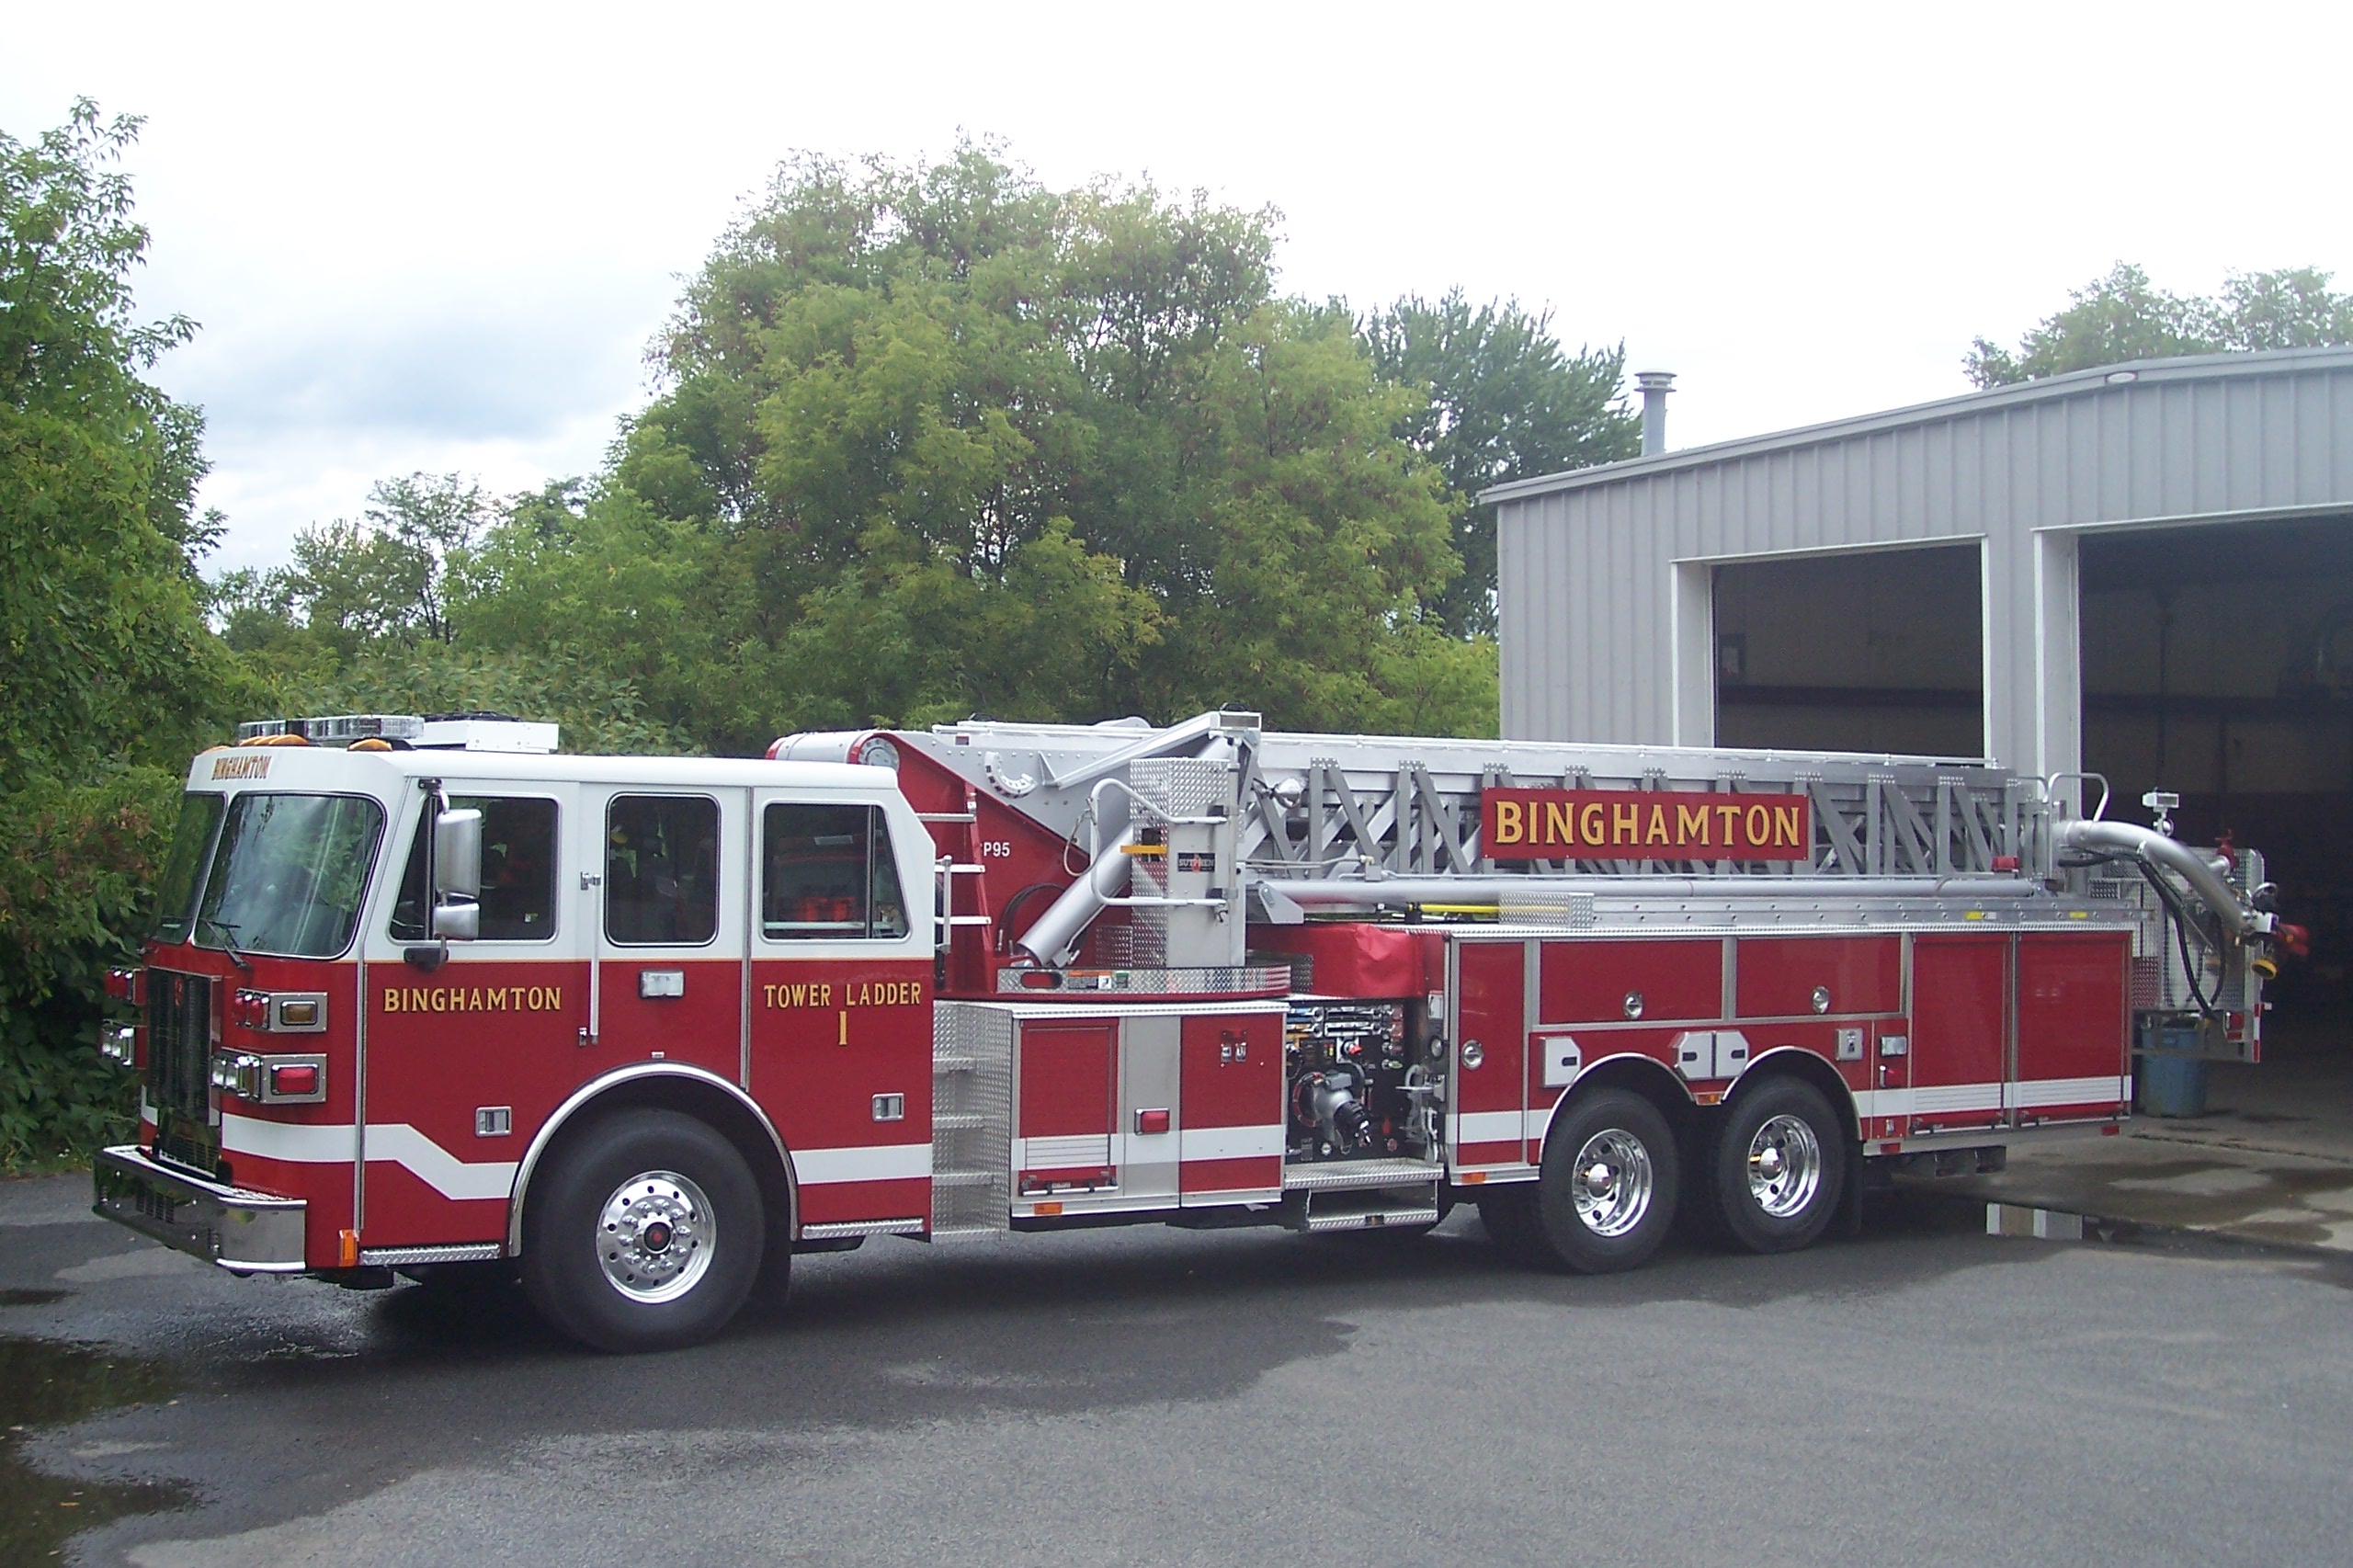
(2168, 1080)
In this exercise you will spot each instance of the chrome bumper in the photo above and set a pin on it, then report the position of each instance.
(251, 1233)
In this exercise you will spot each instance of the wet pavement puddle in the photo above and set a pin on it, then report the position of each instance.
(43, 1383)
(2281, 1200)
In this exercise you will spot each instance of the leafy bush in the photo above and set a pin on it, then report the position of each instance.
(110, 672)
(76, 860)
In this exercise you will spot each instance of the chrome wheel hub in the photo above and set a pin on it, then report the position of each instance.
(655, 1236)
(1784, 1166)
(1611, 1188)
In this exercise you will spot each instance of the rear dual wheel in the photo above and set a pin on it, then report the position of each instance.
(646, 1234)
(1773, 1176)
(1780, 1167)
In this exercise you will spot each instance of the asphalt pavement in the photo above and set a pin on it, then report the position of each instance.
(1149, 1396)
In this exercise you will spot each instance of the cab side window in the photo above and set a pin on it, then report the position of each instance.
(518, 871)
(661, 870)
(827, 874)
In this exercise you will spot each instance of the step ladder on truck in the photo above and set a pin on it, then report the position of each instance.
(429, 998)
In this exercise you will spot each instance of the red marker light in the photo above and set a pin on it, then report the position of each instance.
(1148, 1121)
(294, 1078)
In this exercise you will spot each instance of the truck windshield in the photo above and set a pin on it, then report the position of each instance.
(290, 874)
(191, 842)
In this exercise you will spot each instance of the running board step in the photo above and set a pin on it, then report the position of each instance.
(837, 1229)
(1369, 1219)
(1336, 1176)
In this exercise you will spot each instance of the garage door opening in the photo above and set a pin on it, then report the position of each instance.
(1873, 651)
(2217, 663)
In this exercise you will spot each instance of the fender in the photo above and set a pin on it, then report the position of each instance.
(1587, 1071)
(1821, 1072)
(633, 1073)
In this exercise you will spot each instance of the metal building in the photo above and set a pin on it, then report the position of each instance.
(1607, 573)
(2146, 570)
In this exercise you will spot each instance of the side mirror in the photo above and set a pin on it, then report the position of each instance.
(457, 922)
(457, 854)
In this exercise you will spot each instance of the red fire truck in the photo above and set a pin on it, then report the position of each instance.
(426, 997)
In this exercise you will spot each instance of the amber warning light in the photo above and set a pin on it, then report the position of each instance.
(1650, 825)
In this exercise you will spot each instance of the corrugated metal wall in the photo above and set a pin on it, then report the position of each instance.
(1603, 573)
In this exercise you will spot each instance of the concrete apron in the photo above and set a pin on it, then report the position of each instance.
(2271, 1160)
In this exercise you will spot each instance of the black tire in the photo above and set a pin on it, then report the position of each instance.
(1509, 1215)
(1799, 1177)
(1628, 1209)
(622, 1194)
(772, 1287)
(1700, 1217)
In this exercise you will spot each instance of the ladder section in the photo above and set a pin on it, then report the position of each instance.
(1315, 806)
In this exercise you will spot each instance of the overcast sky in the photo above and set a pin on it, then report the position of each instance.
(439, 238)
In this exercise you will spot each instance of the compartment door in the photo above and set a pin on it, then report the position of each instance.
(1675, 980)
(1065, 1070)
(1486, 1119)
(1231, 1145)
(1960, 1037)
(1803, 977)
(1145, 1145)
(2073, 1026)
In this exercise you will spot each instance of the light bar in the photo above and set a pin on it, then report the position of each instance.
(339, 729)
(440, 731)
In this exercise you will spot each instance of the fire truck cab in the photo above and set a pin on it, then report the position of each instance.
(428, 997)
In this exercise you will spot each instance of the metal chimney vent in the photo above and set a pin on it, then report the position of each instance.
(1655, 385)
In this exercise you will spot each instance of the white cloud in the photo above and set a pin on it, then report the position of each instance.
(438, 236)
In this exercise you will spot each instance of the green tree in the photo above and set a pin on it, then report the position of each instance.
(387, 577)
(110, 672)
(937, 439)
(387, 614)
(2123, 317)
(1501, 401)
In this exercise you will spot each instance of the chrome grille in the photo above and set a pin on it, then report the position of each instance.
(179, 1053)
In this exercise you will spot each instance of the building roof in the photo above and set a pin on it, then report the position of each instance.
(2206, 368)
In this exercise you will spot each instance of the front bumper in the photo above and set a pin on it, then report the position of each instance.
(251, 1233)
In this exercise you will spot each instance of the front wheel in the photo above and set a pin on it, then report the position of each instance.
(646, 1234)
(1509, 1215)
(1607, 1196)
(1780, 1167)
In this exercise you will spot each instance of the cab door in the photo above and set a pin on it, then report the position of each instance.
(471, 1045)
(841, 1001)
(665, 908)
